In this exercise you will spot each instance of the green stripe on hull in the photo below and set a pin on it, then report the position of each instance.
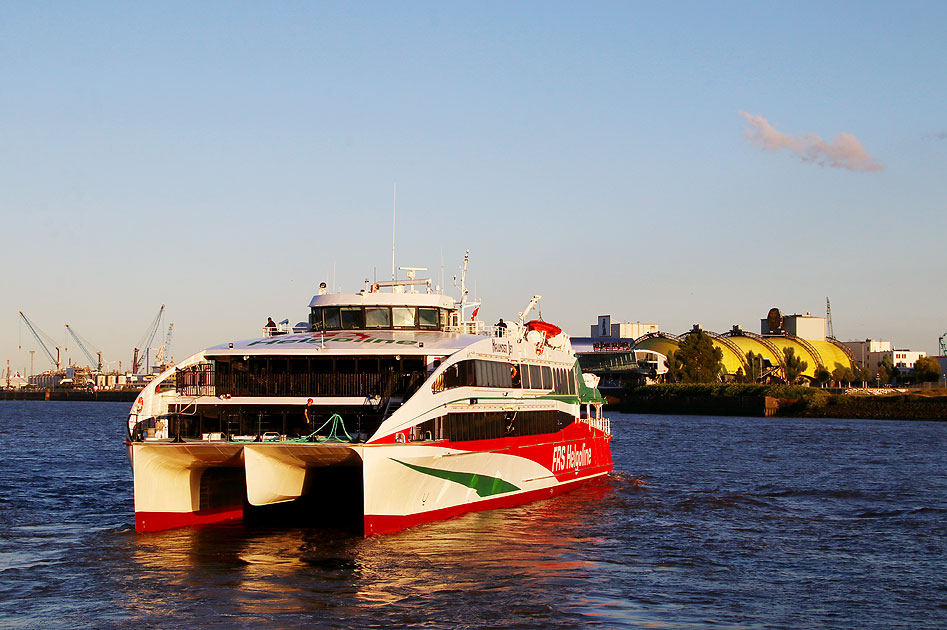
(484, 485)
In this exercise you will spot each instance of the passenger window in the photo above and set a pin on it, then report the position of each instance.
(535, 377)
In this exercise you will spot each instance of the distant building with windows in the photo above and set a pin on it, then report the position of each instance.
(620, 330)
(871, 352)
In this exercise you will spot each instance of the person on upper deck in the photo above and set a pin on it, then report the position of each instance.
(501, 328)
(270, 324)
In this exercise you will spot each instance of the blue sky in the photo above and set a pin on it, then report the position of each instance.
(225, 158)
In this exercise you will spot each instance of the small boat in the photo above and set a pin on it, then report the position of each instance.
(388, 408)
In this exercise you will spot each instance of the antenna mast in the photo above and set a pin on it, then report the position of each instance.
(828, 320)
(394, 210)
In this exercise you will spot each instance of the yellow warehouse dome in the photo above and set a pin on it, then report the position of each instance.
(799, 348)
(659, 342)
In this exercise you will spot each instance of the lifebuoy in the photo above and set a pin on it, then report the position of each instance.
(512, 371)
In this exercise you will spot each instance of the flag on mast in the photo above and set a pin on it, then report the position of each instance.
(474, 314)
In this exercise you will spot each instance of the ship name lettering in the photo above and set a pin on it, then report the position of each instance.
(568, 457)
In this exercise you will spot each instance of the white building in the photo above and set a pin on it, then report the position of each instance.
(620, 330)
(806, 326)
(863, 351)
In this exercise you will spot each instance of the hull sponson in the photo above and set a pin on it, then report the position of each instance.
(186, 484)
(418, 483)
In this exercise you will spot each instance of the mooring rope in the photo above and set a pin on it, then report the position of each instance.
(337, 423)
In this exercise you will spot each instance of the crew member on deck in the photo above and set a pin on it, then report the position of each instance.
(501, 328)
(270, 324)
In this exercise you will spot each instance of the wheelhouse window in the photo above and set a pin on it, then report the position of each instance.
(352, 318)
(330, 316)
(315, 319)
(427, 318)
(377, 317)
(404, 316)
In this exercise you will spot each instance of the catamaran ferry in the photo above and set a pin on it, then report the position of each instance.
(389, 408)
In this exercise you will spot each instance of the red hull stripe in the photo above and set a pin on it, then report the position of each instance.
(387, 523)
(157, 521)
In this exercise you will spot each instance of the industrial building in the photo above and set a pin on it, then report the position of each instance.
(617, 353)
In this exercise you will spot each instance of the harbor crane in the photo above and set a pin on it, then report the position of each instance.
(82, 346)
(39, 335)
(146, 340)
(163, 355)
(943, 344)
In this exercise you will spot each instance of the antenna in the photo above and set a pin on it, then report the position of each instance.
(828, 320)
(394, 210)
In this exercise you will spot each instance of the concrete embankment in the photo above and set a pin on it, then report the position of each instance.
(70, 394)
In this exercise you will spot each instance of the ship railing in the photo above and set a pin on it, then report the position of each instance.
(602, 424)
(479, 328)
(467, 328)
(281, 328)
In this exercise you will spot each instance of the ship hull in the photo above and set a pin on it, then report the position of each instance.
(399, 485)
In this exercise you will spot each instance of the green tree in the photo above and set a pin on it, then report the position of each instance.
(754, 367)
(863, 375)
(886, 371)
(793, 366)
(821, 375)
(697, 359)
(927, 370)
(843, 374)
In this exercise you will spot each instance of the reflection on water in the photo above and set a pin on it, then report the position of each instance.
(477, 569)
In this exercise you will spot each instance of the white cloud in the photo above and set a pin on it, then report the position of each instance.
(845, 151)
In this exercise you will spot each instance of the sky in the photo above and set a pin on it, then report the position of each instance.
(671, 163)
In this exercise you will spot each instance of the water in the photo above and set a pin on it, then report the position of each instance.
(706, 522)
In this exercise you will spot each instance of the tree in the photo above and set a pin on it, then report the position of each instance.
(754, 367)
(886, 371)
(793, 366)
(927, 370)
(863, 374)
(697, 359)
(821, 375)
(843, 374)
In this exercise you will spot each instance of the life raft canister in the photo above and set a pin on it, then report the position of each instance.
(550, 330)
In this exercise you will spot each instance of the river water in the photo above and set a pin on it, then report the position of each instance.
(706, 522)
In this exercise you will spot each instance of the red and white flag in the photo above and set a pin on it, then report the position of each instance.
(474, 314)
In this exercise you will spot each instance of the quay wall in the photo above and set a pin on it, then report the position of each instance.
(68, 394)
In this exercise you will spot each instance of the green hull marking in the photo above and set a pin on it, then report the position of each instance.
(484, 485)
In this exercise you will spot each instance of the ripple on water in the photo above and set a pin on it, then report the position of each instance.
(723, 522)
